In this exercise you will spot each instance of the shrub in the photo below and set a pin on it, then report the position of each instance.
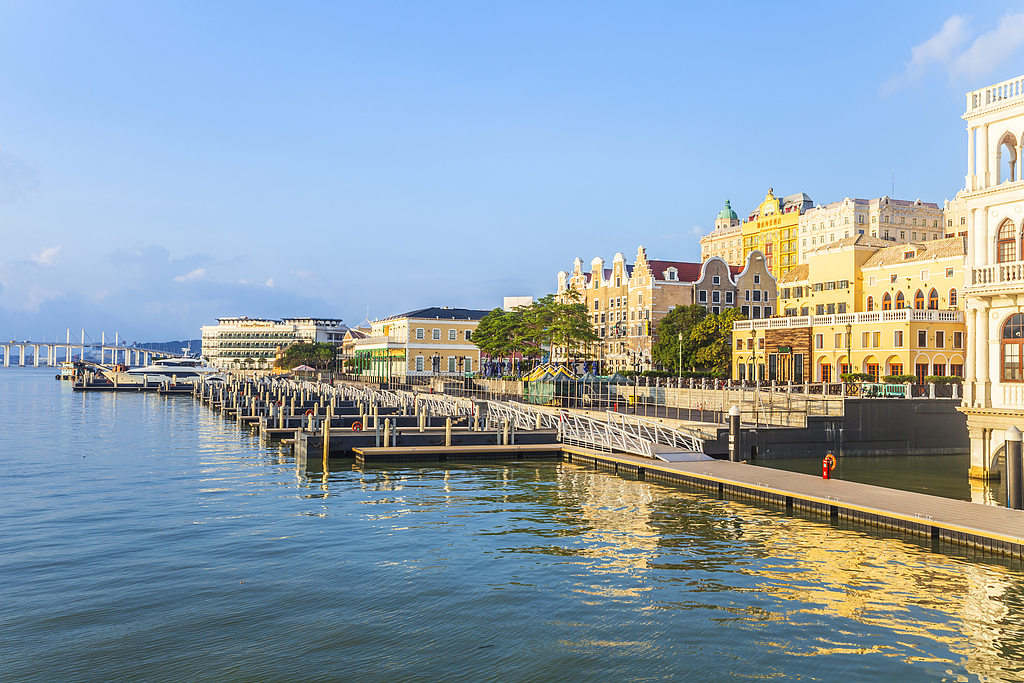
(943, 379)
(900, 379)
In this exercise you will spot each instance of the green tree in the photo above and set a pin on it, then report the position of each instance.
(712, 338)
(666, 348)
(317, 355)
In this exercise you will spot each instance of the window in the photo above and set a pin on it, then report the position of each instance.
(716, 280)
(830, 285)
(760, 343)
(757, 279)
(919, 300)
(436, 334)
(805, 310)
(958, 340)
(419, 333)
(872, 369)
(940, 339)
(1006, 245)
(702, 296)
(419, 362)
(830, 309)
(1012, 343)
(925, 275)
(452, 335)
(468, 367)
(767, 311)
(876, 340)
(819, 341)
(818, 286)
(895, 368)
(871, 304)
(922, 339)
(746, 295)
(757, 295)
(469, 334)
(714, 309)
(865, 340)
(451, 363)
(766, 297)
(933, 300)
(897, 339)
(618, 281)
(826, 372)
(745, 310)
(844, 284)
(819, 309)
(886, 302)
(841, 307)
(901, 301)
(785, 292)
(798, 292)
(956, 369)
(839, 341)
(596, 304)
(716, 297)
(892, 279)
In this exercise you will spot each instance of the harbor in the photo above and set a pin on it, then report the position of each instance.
(374, 426)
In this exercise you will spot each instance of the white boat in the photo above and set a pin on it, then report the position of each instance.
(175, 370)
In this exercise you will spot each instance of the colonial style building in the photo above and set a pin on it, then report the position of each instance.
(626, 302)
(992, 202)
(893, 220)
(421, 342)
(772, 228)
(255, 342)
(862, 304)
(726, 240)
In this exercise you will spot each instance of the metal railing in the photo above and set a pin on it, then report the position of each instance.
(655, 432)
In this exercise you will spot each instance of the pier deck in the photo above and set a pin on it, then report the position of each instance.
(992, 528)
(373, 455)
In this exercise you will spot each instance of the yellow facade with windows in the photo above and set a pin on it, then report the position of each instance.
(773, 229)
(859, 305)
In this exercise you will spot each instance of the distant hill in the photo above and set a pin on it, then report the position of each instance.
(175, 346)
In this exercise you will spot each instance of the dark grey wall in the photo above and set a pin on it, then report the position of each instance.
(869, 427)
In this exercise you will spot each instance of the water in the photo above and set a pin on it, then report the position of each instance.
(146, 539)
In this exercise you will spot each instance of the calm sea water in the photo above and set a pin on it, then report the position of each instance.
(146, 539)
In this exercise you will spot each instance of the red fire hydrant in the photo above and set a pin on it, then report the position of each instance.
(827, 465)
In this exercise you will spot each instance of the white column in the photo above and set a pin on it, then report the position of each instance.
(982, 398)
(985, 153)
(972, 327)
(969, 182)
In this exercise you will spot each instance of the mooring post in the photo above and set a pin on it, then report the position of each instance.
(376, 434)
(420, 419)
(1014, 484)
(448, 431)
(734, 434)
(387, 431)
(327, 441)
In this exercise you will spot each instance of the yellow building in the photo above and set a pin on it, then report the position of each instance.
(773, 229)
(422, 342)
(892, 309)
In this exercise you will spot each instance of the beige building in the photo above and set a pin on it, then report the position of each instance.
(421, 342)
(626, 302)
(255, 342)
(862, 304)
(893, 220)
(992, 202)
(726, 240)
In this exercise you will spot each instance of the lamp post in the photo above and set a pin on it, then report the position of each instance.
(680, 356)
(753, 356)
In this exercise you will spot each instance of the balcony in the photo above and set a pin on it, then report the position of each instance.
(904, 315)
(995, 95)
(998, 279)
(380, 341)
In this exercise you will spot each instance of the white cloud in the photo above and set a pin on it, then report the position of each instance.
(47, 257)
(270, 282)
(991, 49)
(197, 274)
(939, 49)
(944, 50)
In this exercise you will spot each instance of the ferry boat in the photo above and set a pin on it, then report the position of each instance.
(69, 370)
(179, 370)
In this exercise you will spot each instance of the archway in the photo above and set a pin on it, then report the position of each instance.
(886, 302)
(824, 367)
(933, 300)
(871, 367)
(1006, 159)
(919, 300)
(901, 301)
(1006, 242)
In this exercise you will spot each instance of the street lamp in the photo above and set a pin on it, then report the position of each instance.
(849, 347)
(435, 363)
(753, 355)
(680, 355)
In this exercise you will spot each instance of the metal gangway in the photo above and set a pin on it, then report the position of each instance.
(624, 433)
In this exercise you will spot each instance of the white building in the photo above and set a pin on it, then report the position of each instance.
(254, 342)
(893, 220)
(993, 200)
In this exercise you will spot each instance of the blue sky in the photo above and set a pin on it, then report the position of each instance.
(162, 164)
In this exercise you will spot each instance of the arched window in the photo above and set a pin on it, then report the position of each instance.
(1013, 344)
(886, 302)
(919, 300)
(901, 301)
(933, 300)
(871, 303)
(952, 298)
(1006, 246)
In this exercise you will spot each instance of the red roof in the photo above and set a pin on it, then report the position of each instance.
(687, 272)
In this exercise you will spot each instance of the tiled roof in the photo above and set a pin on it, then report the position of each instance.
(951, 247)
(796, 274)
(687, 272)
(856, 240)
(442, 314)
(736, 270)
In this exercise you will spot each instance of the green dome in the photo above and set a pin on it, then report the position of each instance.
(727, 212)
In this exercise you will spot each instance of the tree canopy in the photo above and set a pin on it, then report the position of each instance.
(528, 330)
(701, 338)
(317, 355)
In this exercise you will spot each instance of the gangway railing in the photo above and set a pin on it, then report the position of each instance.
(655, 432)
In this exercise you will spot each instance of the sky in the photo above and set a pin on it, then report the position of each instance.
(163, 164)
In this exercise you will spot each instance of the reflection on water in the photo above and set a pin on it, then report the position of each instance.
(935, 475)
(181, 548)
